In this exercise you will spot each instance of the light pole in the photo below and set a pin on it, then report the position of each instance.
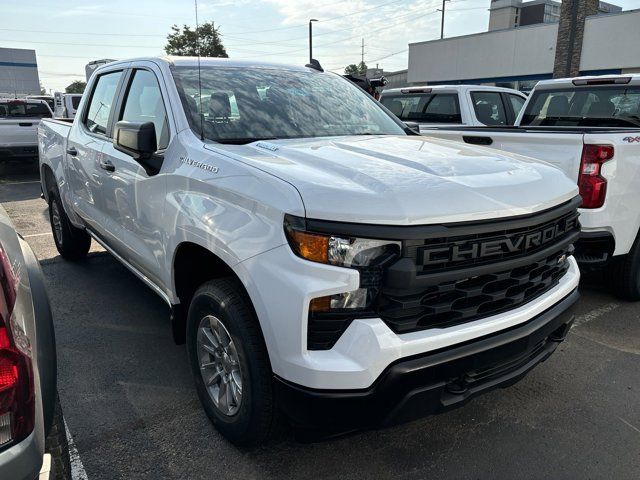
(310, 41)
(442, 20)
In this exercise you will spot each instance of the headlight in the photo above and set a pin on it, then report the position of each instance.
(336, 249)
(366, 255)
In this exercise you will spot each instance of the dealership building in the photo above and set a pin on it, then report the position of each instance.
(519, 48)
(18, 72)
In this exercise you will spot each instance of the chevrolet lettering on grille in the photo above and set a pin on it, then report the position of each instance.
(512, 244)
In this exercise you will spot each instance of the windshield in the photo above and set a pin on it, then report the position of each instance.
(241, 105)
(584, 107)
(22, 109)
(424, 108)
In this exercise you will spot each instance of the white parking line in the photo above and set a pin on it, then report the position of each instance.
(77, 468)
(20, 183)
(595, 313)
(37, 235)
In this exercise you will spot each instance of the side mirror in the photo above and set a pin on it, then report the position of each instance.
(136, 139)
(413, 126)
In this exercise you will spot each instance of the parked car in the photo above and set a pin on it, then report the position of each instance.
(33, 442)
(19, 119)
(588, 127)
(66, 104)
(320, 258)
(456, 105)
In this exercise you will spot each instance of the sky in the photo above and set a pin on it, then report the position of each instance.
(67, 34)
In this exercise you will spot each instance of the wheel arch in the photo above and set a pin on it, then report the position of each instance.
(193, 265)
(47, 180)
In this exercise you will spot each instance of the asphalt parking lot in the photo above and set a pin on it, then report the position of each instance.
(132, 412)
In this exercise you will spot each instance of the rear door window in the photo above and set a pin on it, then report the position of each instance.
(424, 107)
(489, 108)
(104, 92)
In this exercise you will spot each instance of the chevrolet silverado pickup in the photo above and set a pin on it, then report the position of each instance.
(324, 264)
(454, 105)
(589, 127)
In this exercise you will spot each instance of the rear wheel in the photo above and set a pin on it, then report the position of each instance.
(72, 243)
(623, 274)
(230, 363)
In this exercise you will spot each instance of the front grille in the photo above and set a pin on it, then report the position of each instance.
(471, 298)
(452, 274)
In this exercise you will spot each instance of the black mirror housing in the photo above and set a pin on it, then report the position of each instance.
(136, 139)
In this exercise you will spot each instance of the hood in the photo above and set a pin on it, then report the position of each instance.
(406, 180)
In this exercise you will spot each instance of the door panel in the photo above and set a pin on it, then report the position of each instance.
(84, 150)
(134, 200)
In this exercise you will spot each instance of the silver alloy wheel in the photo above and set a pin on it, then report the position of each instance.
(56, 221)
(219, 365)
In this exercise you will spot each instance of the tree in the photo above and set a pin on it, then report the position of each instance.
(184, 41)
(353, 69)
(77, 86)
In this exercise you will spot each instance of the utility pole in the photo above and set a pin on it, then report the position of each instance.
(442, 19)
(362, 55)
(310, 39)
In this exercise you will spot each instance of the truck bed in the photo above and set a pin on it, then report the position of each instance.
(559, 146)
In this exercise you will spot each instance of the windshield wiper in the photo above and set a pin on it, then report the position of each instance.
(242, 140)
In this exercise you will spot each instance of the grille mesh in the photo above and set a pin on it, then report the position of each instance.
(454, 302)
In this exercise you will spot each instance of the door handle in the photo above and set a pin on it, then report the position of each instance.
(107, 165)
(72, 151)
(477, 140)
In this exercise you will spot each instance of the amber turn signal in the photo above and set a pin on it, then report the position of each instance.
(310, 246)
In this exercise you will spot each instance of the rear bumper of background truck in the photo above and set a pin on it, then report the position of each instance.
(434, 382)
(18, 151)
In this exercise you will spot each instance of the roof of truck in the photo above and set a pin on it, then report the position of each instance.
(448, 88)
(209, 62)
(591, 80)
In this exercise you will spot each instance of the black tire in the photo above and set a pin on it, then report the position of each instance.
(56, 445)
(623, 274)
(257, 419)
(72, 243)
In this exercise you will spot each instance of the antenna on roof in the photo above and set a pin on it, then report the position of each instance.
(199, 75)
(315, 64)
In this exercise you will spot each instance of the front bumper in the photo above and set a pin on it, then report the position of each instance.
(433, 382)
(281, 286)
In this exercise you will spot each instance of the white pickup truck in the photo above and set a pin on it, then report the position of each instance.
(589, 127)
(66, 104)
(321, 259)
(19, 119)
(454, 105)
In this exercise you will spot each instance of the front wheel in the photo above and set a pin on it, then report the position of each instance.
(230, 363)
(71, 242)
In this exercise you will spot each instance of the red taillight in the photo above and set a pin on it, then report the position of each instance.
(17, 399)
(593, 187)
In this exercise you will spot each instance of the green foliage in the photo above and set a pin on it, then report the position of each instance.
(76, 87)
(184, 41)
(353, 69)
